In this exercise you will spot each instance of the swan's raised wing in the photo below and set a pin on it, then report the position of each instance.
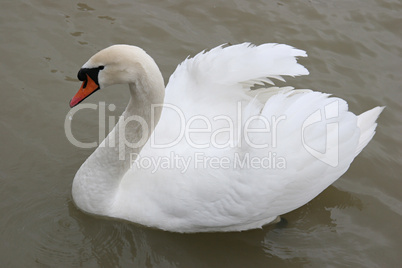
(217, 82)
(225, 71)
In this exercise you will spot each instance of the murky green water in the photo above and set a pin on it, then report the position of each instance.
(355, 50)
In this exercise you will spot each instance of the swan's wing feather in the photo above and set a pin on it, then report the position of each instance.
(210, 75)
(245, 62)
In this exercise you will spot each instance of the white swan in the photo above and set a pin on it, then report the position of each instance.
(223, 157)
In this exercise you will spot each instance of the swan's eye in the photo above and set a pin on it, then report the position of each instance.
(101, 67)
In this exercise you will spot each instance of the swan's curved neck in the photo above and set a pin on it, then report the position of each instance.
(97, 181)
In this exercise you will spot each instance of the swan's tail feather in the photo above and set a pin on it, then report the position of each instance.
(367, 124)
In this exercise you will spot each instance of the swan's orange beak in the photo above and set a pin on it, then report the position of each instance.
(88, 87)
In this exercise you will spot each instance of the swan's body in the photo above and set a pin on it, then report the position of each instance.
(218, 178)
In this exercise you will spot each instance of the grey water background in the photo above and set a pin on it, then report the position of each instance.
(354, 48)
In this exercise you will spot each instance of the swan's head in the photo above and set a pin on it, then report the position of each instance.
(117, 64)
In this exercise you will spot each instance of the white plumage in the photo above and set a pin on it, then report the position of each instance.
(206, 179)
